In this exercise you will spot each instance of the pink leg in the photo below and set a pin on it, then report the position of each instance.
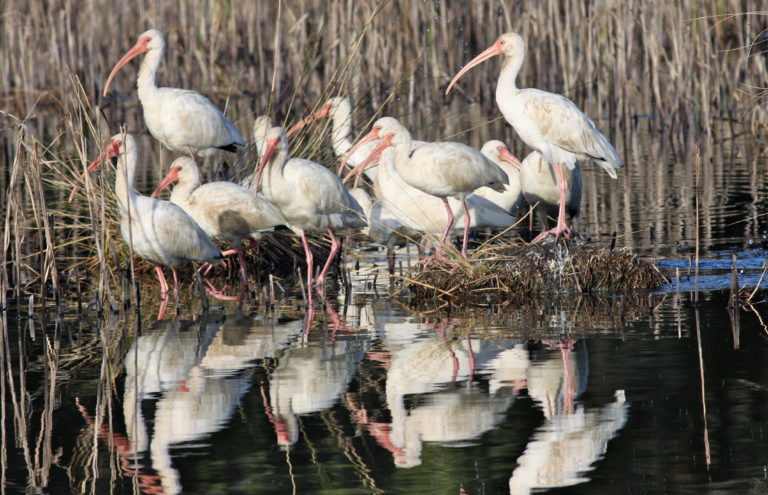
(334, 248)
(451, 218)
(562, 228)
(175, 281)
(466, 228)
(161, 278)
(161, 309)
(308, 254)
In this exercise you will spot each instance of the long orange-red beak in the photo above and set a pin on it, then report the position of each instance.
(268, 154)
(507, 156)
(372, 158)
(321, 113)
(111, 152)
(171, 177)
(491, 52)
(374, 134)
(139, 48)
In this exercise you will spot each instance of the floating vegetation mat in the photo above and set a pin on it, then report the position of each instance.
(510, 272)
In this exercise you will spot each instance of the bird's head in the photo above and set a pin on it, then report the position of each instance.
(118, 145)
(389, 132)
(148, 40)
(183, 170)
(508, 44)
(274, 140)
(498, 152)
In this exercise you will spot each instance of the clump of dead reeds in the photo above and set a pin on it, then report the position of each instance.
(510, 272)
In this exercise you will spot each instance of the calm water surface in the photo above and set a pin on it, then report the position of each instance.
(579, 396)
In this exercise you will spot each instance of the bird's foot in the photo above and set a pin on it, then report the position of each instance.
(560, 230)
(438, 258)
(219, 293)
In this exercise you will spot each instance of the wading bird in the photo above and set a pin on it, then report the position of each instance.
(444, 169)
(157, 231)
(549, 123)
(224, 210)
(309, 195)
(184, 121)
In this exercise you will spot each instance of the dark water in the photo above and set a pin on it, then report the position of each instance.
(581, 396)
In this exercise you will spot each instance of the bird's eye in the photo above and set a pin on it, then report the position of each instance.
(119, 143)
(391, 134)
(501, 42)
(178, 169)
(499, 148)
(146, 40)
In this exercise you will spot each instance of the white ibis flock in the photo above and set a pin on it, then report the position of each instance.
(418, 188)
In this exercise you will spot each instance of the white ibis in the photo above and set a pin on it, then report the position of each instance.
(224, 210)
(309, 195)
(184, 121)
(539, 182)
(423, 213)
(158, 231)
(549, 123)
(444, 169)
(510, 199)
(339, 110)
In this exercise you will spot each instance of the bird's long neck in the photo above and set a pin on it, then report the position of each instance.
(126, 170)
(183, 190)
(341, 130)
(146, 80)
(403, 154)
(509, 70)
(275, 166)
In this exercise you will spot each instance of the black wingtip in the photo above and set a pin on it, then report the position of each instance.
(231, 147)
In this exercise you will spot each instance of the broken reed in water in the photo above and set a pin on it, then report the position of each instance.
(510, 272)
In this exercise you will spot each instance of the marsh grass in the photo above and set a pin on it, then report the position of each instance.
(510, 272)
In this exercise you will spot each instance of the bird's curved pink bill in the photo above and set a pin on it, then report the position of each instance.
(268, 154)
(111, 152)
(171, 177)
(384, 143)
(321, 113)
(507, 156)
(374, 134)
(491, 52)
(137, 49)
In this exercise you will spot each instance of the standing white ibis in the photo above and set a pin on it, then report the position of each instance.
(224, 210)
(309, 195)
(498, 153)
(339, 110)
(184, 121)
(444, 169)
(539, 182)
(158, 231)
(549, 123)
